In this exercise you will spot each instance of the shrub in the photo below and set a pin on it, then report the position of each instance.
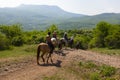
(84, 40)
(18, 41)
(107, 70)
(112, 41)
(4, 42)
(94, 76)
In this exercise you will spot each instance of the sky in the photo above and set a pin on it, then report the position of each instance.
(87, 7)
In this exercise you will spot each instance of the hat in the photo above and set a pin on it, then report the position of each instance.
(65, 32)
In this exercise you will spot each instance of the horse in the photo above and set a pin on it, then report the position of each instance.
(61, 43)
(70, 43)
(66, 43)
(45, 49)
(77, 46)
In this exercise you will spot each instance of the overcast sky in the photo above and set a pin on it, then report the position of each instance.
(89, 7)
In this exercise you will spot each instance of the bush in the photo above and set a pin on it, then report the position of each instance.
(84, 40)
(112, 41)
(106, 35)
(107, 70)
(4, 42)
(18, 41)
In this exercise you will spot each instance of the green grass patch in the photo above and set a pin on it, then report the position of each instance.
(107, 51)
(88, 70)
(107, 70)
(25, 50)
(94, 76)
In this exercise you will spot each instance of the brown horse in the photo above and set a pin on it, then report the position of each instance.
(45, 49)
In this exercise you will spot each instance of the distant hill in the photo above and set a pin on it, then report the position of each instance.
(42, 16)
(91, 21)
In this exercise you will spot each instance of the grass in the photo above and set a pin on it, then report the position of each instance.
(85, 70)
(17, 55)
(107, 70)
(16, 52)
(107, 51)
(94, 76)
(88, 70)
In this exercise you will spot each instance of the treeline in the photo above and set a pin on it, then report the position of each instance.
(103, 35)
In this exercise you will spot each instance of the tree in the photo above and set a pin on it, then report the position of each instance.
(13, 33)
(18, 41)
(99, 33)
(113, 39)
(11, 30)
(52, 28)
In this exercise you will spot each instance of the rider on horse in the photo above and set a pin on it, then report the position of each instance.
(65, 36)
(54, 34)
(49, 42)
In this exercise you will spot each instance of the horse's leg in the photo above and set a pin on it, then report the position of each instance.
(43, 57)
(51, 58)
(66, 44)
(48, 57)
(38, 53)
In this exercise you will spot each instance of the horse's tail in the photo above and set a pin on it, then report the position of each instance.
(38, 53)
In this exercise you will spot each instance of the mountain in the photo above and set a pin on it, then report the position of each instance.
(42, 16)
(34, 16)
(90, 21)
(49, 11)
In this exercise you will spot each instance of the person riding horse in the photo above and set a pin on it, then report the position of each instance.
(71, 41)
(65, 36)
(49, 42)
(46, 48)
(54, 34)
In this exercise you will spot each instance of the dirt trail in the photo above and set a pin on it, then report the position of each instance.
(31, 71)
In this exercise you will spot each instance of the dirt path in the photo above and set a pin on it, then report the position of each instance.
(30, 71)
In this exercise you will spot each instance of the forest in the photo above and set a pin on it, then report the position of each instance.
(104, 35)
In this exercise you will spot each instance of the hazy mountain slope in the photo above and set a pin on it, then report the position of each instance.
(42, 16)
(33, 16)
(50, 11)
(91, 21)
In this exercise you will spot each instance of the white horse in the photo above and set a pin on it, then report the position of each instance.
(54, 41)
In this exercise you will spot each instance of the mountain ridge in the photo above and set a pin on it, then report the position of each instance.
(42, 16)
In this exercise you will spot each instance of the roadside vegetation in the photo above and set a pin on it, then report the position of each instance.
(16, 52)
(104, 38)
(104, 35)
(85, 70)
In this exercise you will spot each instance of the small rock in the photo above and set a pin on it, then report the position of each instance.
(8, 65)
(6, 69)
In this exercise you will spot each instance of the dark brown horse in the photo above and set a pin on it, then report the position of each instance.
(70, 43)
(66, 43)
(61, 43)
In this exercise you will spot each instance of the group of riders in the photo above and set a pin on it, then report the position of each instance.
(50, 44)
(54, 36)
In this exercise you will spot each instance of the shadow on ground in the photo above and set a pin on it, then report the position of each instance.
(57, 64)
